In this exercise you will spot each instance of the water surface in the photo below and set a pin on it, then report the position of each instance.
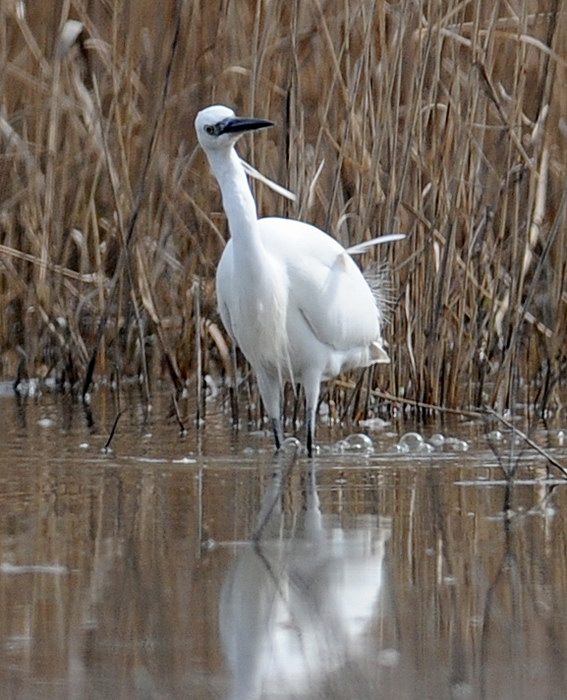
(201, 566)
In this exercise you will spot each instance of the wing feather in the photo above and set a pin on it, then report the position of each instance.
(324, 284)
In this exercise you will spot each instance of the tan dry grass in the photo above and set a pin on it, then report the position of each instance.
(444, 120)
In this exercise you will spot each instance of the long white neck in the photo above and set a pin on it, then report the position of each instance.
(258, 292)
(238, 202)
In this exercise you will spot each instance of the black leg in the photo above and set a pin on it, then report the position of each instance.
(310, 434)
(311, 388)
(278, 432)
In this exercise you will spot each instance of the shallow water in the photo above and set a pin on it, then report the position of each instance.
(204, 567)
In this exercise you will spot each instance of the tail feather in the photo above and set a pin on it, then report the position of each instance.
(377, 353)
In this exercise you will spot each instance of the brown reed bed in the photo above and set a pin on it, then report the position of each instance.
(445, 121)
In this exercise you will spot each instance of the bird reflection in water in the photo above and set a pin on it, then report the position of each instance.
(299, 605)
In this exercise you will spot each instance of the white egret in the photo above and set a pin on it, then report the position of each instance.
(289, 295)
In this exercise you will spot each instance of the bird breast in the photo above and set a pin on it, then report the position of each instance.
(256, 299)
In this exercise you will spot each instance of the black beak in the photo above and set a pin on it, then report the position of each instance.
(238, 125)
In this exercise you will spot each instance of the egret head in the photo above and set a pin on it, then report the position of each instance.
(219, 128)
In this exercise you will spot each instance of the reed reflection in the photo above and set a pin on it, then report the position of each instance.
(298, 605)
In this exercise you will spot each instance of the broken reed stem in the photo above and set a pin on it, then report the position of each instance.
(233, 389)
(106, 447)
(528, 441)
(182, 428)
(200, 415)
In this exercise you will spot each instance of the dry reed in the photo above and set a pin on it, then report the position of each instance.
(446, 121)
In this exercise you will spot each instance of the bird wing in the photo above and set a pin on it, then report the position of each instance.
(325, 285)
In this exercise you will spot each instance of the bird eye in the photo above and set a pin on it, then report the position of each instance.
(210, 129)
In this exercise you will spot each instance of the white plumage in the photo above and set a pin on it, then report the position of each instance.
(289, 295)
